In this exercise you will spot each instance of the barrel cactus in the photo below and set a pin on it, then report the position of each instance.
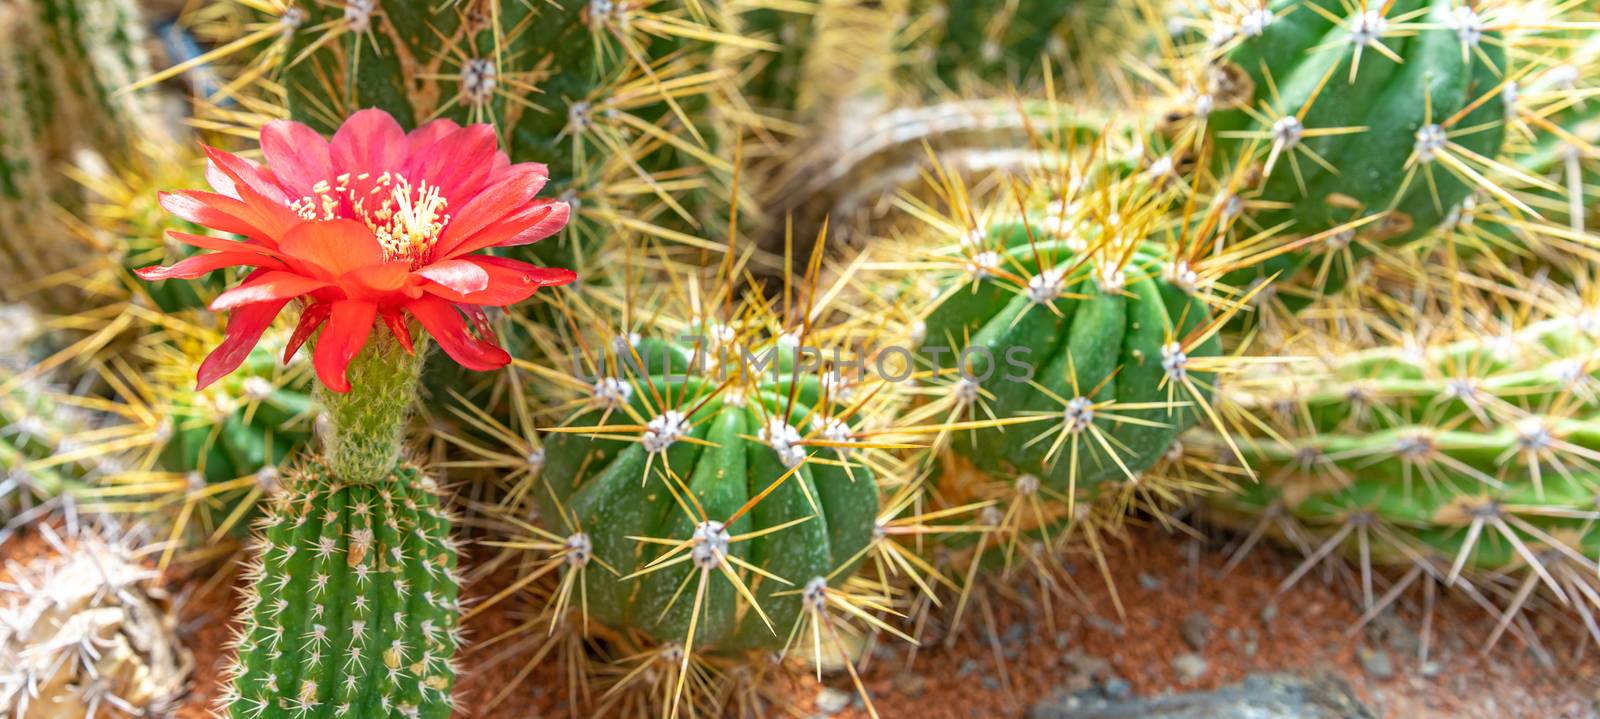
(355, 611)
(1370, 123)
(1071, 343)
(690, 467)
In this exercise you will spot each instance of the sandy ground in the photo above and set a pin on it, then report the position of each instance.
(1187, 627)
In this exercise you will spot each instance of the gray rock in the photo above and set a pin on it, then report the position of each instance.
(1149, 582)
(1376, 662)
(1196, 630)
(1106, 625)
(1117, 689)
(831, 701)
(1258, 697)
(1190, 667)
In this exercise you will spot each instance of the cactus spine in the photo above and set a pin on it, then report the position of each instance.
(356, 603)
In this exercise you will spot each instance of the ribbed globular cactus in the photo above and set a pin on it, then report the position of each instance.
(1070, 343)
(86, 632)
(1373, 120)
(1467, 458)
(690, 466)
(355, 608)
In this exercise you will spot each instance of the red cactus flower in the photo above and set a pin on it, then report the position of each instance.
(375, 224)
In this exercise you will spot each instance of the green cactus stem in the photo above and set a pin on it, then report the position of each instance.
(355, 605)
(366, 427)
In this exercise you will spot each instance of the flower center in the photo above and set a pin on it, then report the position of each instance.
(407, 221)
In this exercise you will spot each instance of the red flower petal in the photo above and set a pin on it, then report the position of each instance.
(211, 210)
(509, 281)
(245, 326)
(268, 287)
(342, 339)
(506, 198)
(458, 164)
(422, 138)
(369, 141)
(333, 246)
(533, 222)
(310, 319)
(222, 244)
(460, 276)
(377, 279)
(297, 155)
(396, 320)
(192, 267)
(249, 174)
(445, 324)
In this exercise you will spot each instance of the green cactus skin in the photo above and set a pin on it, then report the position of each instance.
(1451, 450)
(1118, 340)
(247, 421)
(1401, 106)
(354, 611)
(1004, 42)
(603, 484)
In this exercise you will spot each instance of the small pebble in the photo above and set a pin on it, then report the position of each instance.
(1430, 669)
(1106, 625)
(968, 666)
(1149, 582)
(990, 683)
(1196, 630)
(1269, 613)
(1190, 667)
(910, 684)
(1376, 662)
(831, 701)
(1117, 689)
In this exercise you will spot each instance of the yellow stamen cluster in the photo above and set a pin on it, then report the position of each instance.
(406, 223)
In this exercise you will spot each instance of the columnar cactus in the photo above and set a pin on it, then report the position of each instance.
(356, 603)
(1334, 113)
(94, 49)
(26, 180)
(1466, 458)
(689, 466)
(87, 631)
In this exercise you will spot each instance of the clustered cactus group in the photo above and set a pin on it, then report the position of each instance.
(1325, 270)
